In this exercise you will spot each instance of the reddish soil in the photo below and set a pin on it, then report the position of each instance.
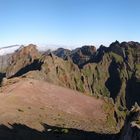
(32, 102)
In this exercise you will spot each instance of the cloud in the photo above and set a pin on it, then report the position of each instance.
(8, 49)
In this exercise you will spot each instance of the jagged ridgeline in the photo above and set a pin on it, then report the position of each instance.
(112, 71)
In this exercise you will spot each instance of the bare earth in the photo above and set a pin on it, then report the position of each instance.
(32, 102)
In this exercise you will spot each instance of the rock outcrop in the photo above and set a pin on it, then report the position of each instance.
(61, 52)
(131, 130)
(79, 56)
(21, 59)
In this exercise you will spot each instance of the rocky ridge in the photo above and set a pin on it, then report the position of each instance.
(109, 72)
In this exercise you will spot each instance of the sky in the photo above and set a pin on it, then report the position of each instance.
(69, 22)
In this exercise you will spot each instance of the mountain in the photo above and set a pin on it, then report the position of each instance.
(5, 56)
(21, 58)
(116, 68)
(47, 103)
(79, 56)
(110, 74)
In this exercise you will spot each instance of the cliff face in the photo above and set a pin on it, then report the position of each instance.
(60, 72)
(23, 57)
(131, 130)
(112, 71)
(61, 52)
(79, 56)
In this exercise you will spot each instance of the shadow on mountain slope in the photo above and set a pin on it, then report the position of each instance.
(113, 83)
(132, 92)
(2, 75)
(36, 65)
(23, 132)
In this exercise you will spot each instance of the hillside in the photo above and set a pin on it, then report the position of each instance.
(115, 69)
(106, 80)
(26, 103)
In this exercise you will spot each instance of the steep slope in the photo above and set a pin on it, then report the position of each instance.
(61, 52)
(79, 56)
(29, 62)
(113, 72)
(32, 102)
(131, 129)
(116, 75)
(116, 69)
(5, 56)
(22, 58)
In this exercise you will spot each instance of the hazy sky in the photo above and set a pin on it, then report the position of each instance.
(69, 22)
